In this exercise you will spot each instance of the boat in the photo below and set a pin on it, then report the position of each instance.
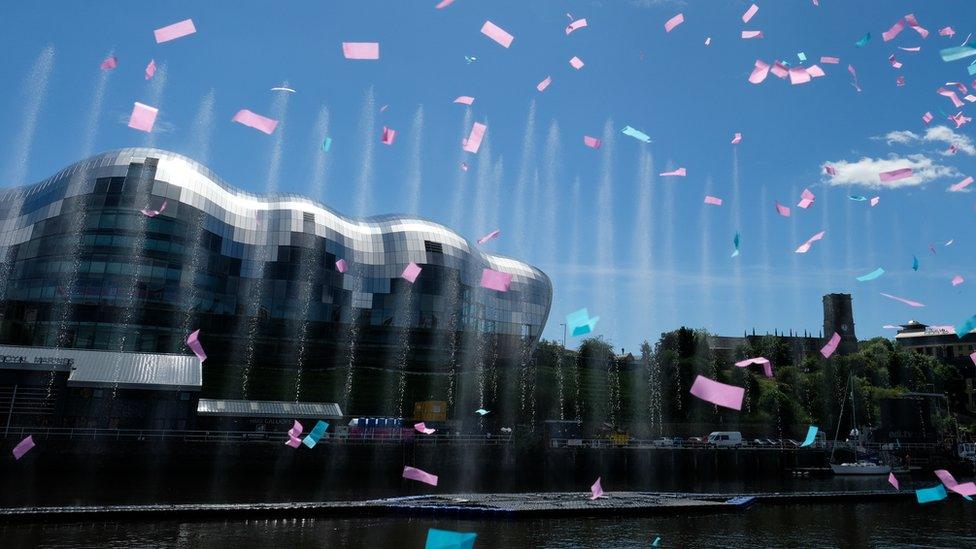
(862, 467)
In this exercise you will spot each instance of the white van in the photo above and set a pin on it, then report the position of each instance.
(724, 438)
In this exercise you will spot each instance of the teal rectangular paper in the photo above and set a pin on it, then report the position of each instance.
(958, 52)
(872, 275)
(446, 539)
(965, 327)
(327, 144)
(636, 134)
(863, 41)
(811, 435)
(927, 495)
(315, 434)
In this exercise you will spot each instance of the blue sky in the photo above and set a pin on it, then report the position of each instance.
(640, 251)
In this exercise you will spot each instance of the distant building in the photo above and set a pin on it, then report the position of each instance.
(942, 343)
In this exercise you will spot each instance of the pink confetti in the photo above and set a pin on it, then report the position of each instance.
(680, 172)
(596, 491)
(419, 475)
(894, 31)
(779, 70)
(193, 342)
(761, 360)
(541, 86)
(759, 72)
(900, 81)
(815, 71)
(799, 75)
(296, 429)
(913, 23)
(713, 200)
(875, 201)
(830, 170)
(443, 4)
(951, 95)
(805, 247)
(109, 63)
(927, 117)
(576, 63)
(411, 272)
(914, 49)
(717, 393)
(736, 138)
(893, 481)
(958, 187)
(782, 210)
(422, 428)
(578, 24)
(749, 13)
(831, 345)
(153, 213)
(150, 69)
(908, 302)
(895, 175)
(174, 31)
(23, 447)
(495, 280)
(341, 266)
(960, 119)
(143, 117)
(592, 142)
(893, 62)
(829, 60)
(674, 22)
(964, 489)
(497, 34)
(256, 121)
(361, 50)
(388, 135)
(490, 236)
(850, 69)
(464, 100)
(957, 280)
(947, 31)
(473, 142)
(746, 35)
(384, 107)
(806, 199)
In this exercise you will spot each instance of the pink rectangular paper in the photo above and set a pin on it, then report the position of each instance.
(422, 428)
(578, 24)
(799, 75)
(759, 72)
(576, 63)
(296, 429)
(497, 34)
(680, 172)
(957, 280)
(109, 63)
(806, 197)
(411, 272)
(893, 481)
(761, 360)
(713, 200)
(961, 185)
(143, 117)
(150, 69)
(464, 100)
(895, 175)
(596, 490)
(815, 71)
(341, 266)
(494, 280)
(952, 96)
(831, 171)
(592, 142)
(908, 302)
(749, 13)
(256, 121)
(473, 142)
(746, 35)
(674, 22)
(443, 4)
(829, 60)
(293, 442)
(419, 475)
(736, 138)
(895, 64)
(193, 342)
(782, 210)
(174, 31)
(894, 30)
(831, 345)
(541, 86)
(387, 136)
(721, 394)
(875, 200)
(23, 447)
(489, 236)
(927, 117)
(361, 50)
(805, 247)
(915, 49)
(779, 70)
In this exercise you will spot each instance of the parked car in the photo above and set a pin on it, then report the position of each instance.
(725, 438)
(662, 441)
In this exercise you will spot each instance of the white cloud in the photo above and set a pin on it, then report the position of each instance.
(935, 134)
(865, 171)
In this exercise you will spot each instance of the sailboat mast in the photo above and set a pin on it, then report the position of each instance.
(840, 417)
(854, 418)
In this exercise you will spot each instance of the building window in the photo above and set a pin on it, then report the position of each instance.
(433, 247)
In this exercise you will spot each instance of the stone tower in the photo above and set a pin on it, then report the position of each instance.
(838, 315)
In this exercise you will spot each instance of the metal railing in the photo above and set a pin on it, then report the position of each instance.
(745, 445)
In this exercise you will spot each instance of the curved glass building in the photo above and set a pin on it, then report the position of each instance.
(87, 263)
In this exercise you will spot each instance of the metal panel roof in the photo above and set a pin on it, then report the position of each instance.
(110, 369)
(268, 409)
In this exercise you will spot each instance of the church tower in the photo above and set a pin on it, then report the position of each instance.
(839, 317)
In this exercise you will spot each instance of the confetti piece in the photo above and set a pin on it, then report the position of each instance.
(482, 412)
(497, 34)
(857, 198)
(736, 138)
(446, 539)
(945, 92)
(293, 434)
(761, 360)
(872, 275)
(464, 100)
(806, 198)
(728, 396)
(150, 69)
(708, 41)
(746, 35)
(490, 236)
(419, 475)
(894, 62)
(327, 144)
(900, 81)
(596, 491)
(799, 75)
(422, 428)
(143, 117)
(830, 60)
(674, 22)
(387, 136)
(914, 263)
(592, 142)
(958, 187)
(580, 322)
(875, 200)
(541, 86)
(927, 495)
(341, 266)
(361, 50)
(815, 71)
(805, 247)
(256, 121)
(735, 245)
(813, 429)
(895, 175)
(957, 280)
(893, 481)
(680, 172)
(850, 69)
(576, 63)
(443, 4)
(411, 272)
(153, 213)
(782, 210)
(959, 52)
(473, 142)
(174, 31)
(863, 41)
(966, 326)
(636, 134)
(908, 302)
(801, 56)
(578, 24)
(927, 117)
(759, 72)
(316, 434)
(109, 63)
(713, 200)
(947, 31)
(193, 342)
(494, 280)
(749, 13)
(894, 30)
(914, 49)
